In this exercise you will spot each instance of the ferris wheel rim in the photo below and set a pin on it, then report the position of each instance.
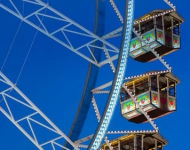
(119, 76)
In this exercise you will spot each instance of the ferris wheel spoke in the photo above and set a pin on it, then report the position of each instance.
(32, 121)
(20, 128)
(69, 27)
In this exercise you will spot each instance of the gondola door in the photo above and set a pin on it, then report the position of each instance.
(168, 30)
(163, 92)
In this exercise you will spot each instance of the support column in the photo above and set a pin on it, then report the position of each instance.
(119, 144)
(167, 99)
(158, 86)
(139, 28)
(142, 142)
(172, 20)
(163, 28)
(154, 21)
(135, 142)
(156, 146)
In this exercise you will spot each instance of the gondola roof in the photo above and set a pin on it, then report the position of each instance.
(142, 77)
(156, 12)
(131, 136)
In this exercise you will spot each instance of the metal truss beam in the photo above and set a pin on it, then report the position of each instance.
(33, 117)
(64, 34)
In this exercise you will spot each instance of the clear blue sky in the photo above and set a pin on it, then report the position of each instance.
(53, 77)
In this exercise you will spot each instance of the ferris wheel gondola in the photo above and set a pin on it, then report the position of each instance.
(141, 140)
(155, 93)
(161, 30)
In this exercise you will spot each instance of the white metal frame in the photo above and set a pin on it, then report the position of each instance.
(7, 95)
(84, 49)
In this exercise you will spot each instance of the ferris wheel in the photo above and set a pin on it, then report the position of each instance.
(143, 98)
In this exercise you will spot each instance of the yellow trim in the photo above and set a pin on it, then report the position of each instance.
(137, 79)
(123, 138)
(145, 17)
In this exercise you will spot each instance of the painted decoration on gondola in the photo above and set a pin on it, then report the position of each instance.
(155, 99)
(143, 99)
(176, 41)
(160, 36)
(128, 106)
(135, 44)
(149, 37)
(171, 103)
